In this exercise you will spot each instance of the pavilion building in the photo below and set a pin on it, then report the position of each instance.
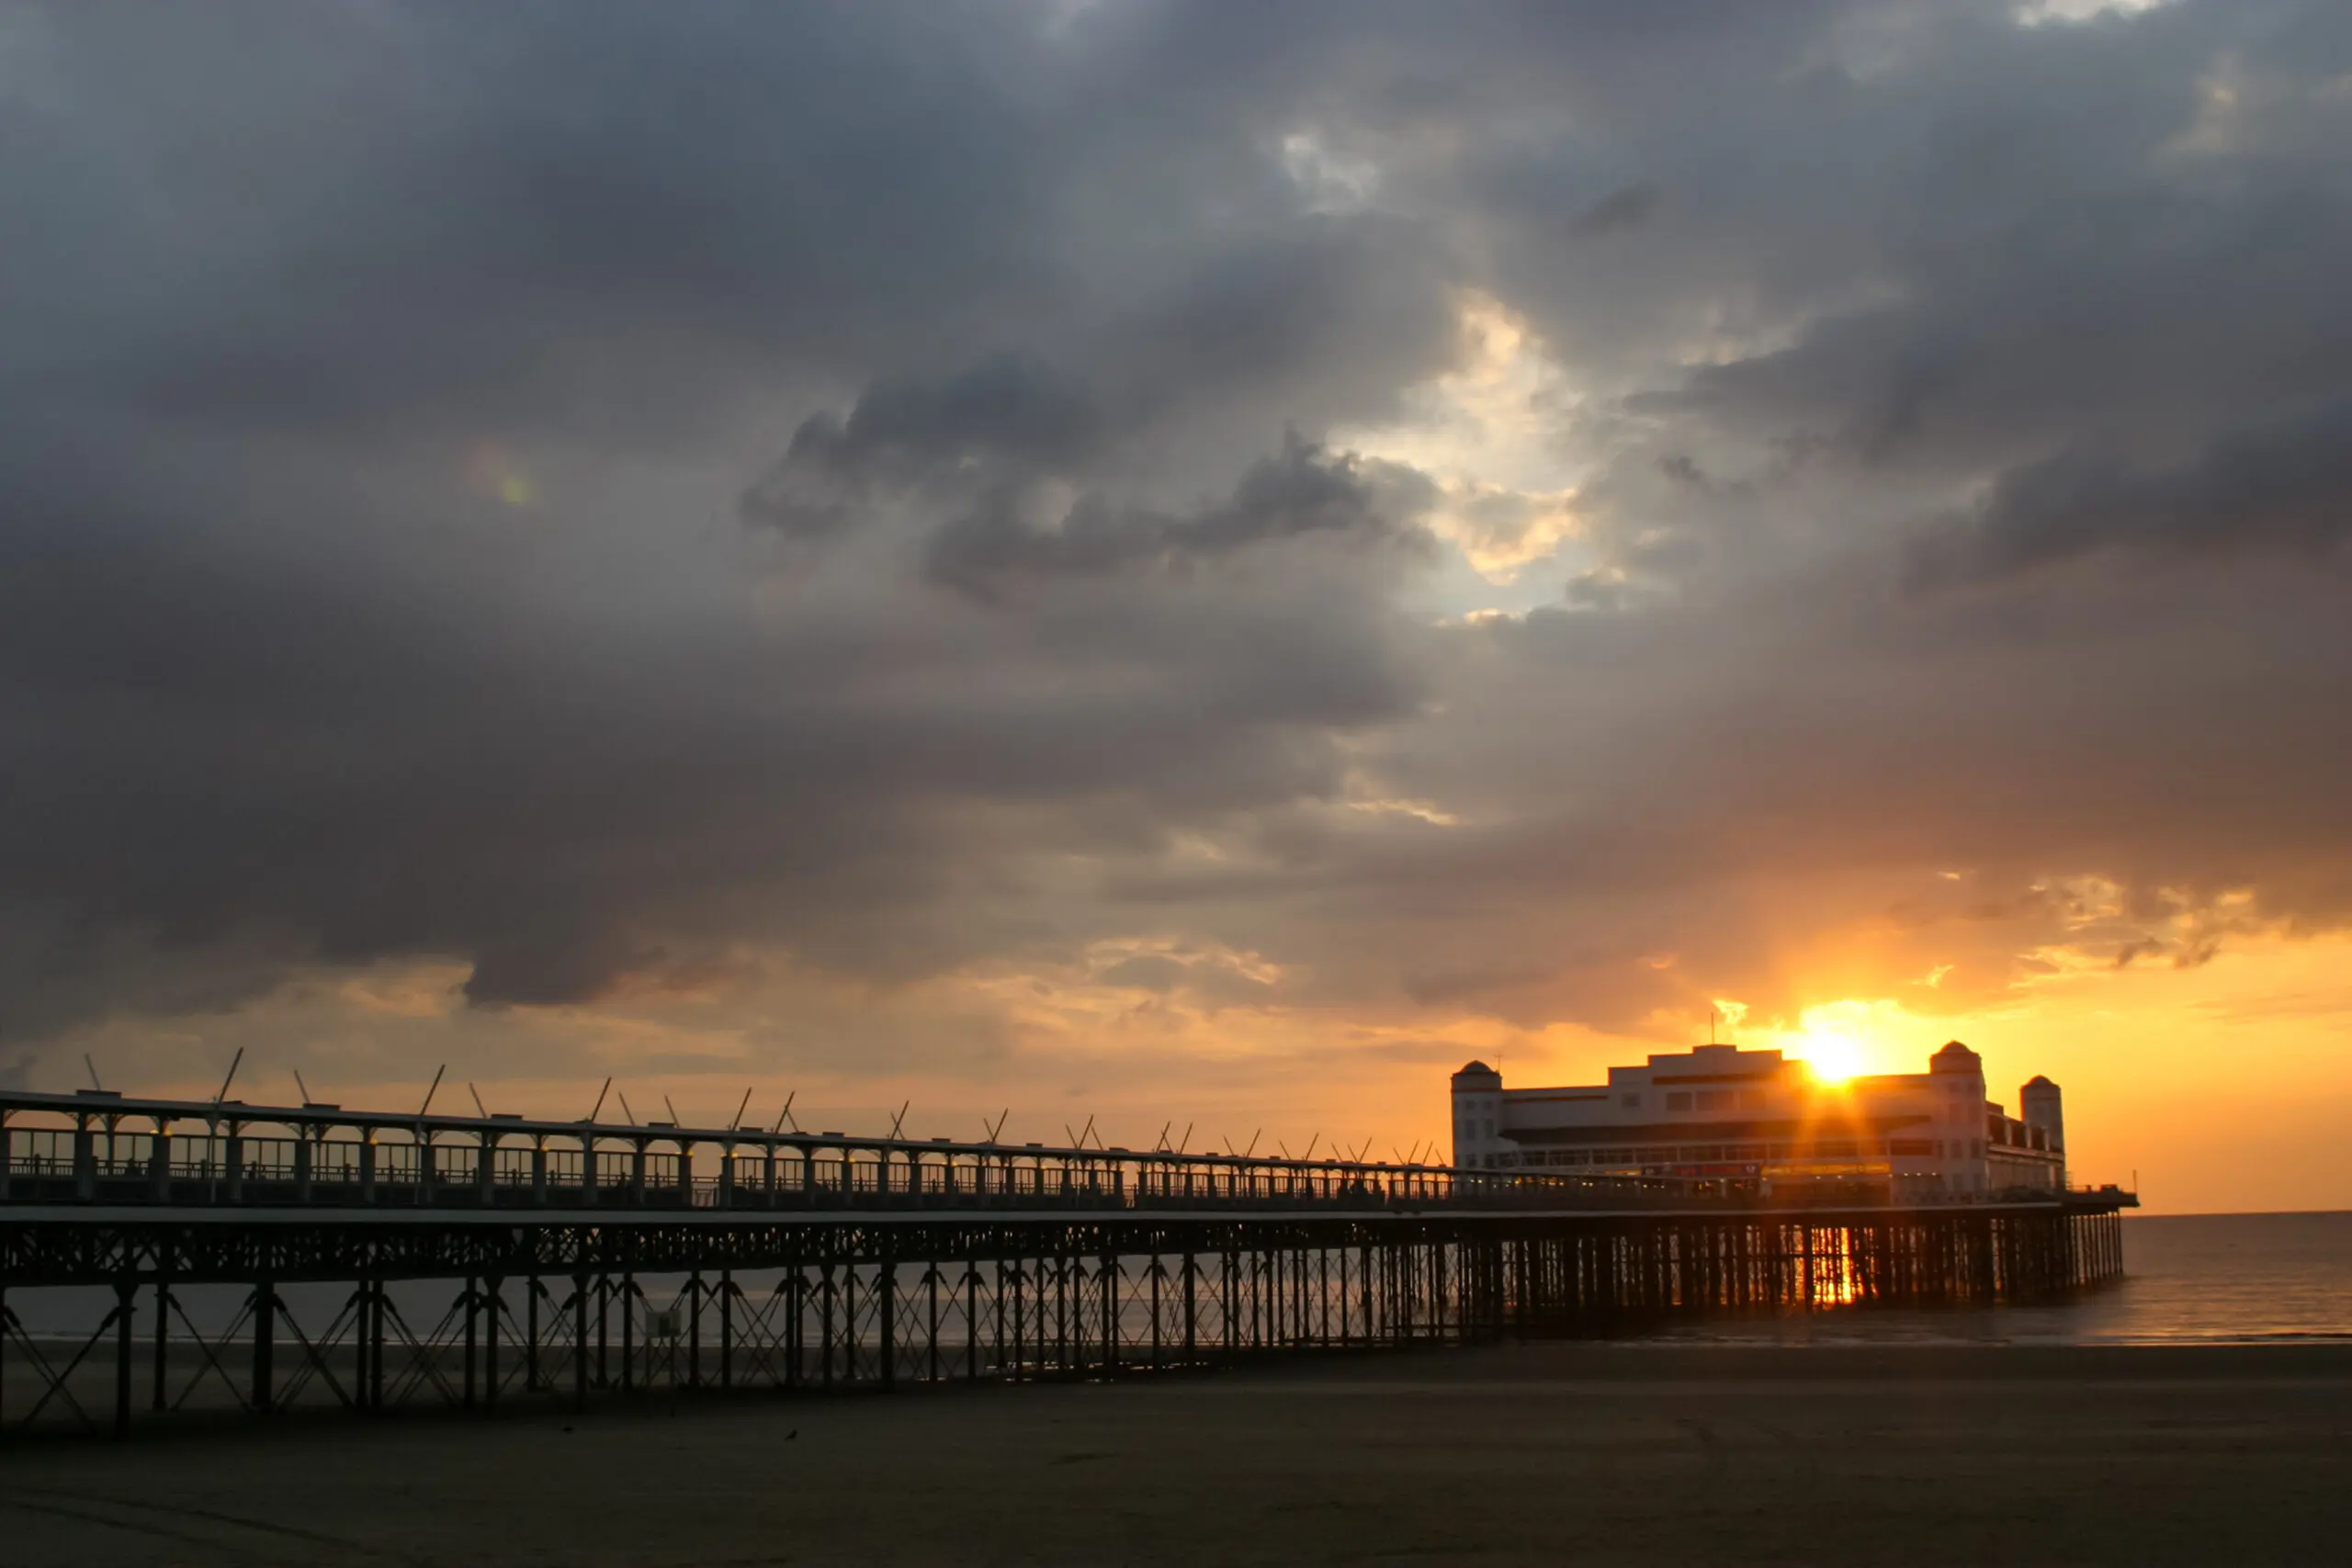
(1758, 1117)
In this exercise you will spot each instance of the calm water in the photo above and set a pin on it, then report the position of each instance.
(2210, 1278)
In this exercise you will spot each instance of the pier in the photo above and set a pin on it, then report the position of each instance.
(165, 1260)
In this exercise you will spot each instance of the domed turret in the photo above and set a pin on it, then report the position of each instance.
(1955, 1057)
(1478, 1108)
(2041, 1105)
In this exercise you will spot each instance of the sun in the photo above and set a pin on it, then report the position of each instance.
(1832, 1058)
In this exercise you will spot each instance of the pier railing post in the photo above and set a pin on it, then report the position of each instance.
(85, 1162)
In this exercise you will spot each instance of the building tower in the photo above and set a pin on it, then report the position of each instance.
(2039, 1106)
(1478, 1115)
(1957, 1074)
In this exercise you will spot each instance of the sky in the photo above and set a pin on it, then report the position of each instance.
(1193, 565)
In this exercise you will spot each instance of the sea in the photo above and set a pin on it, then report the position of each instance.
(2190, 1279)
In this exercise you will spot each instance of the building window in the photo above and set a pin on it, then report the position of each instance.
(1632, 1103)
(1714, 1099)
(1490, 1126)
(1678, 1099)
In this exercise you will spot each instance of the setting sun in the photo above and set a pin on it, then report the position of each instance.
(1832, 1058)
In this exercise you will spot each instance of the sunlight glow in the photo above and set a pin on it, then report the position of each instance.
(1841, 1040)
(1832, 1057)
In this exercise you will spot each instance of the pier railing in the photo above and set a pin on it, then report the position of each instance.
(95, 1147)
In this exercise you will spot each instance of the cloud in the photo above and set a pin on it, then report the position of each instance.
(1302, 493)
(1005, 417)
(2285, 486)
(1628, 207)
(928, 545)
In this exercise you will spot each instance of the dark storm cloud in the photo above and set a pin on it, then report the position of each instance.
(287, 682)
(592, 494)
(1303, 491)
(1004, 418)
(2287, 487)
(317, 752)
(348, 218)
(1629, 208)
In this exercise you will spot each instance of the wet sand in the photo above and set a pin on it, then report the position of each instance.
(1548, 1454)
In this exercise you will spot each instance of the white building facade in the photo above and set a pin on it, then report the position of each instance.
(1756, 1118)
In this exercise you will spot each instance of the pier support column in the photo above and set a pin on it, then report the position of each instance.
(727, 1328)
(629, 1332)
(471, 1302)
(825, 1324)
(531, 1293)
(163, 1338)
(604, 1330)
(490, 1345)
(370, 1343)
(889, 1285)
(578, 1341)
(265, 1337)
(126, 1293)
(1192, 1287)
(931, 1297)
(1109, 1278)
(971, 1320)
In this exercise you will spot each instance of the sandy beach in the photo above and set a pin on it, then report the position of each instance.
(1592, 1454)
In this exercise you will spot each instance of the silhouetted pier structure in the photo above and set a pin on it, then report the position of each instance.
(375, 1261)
